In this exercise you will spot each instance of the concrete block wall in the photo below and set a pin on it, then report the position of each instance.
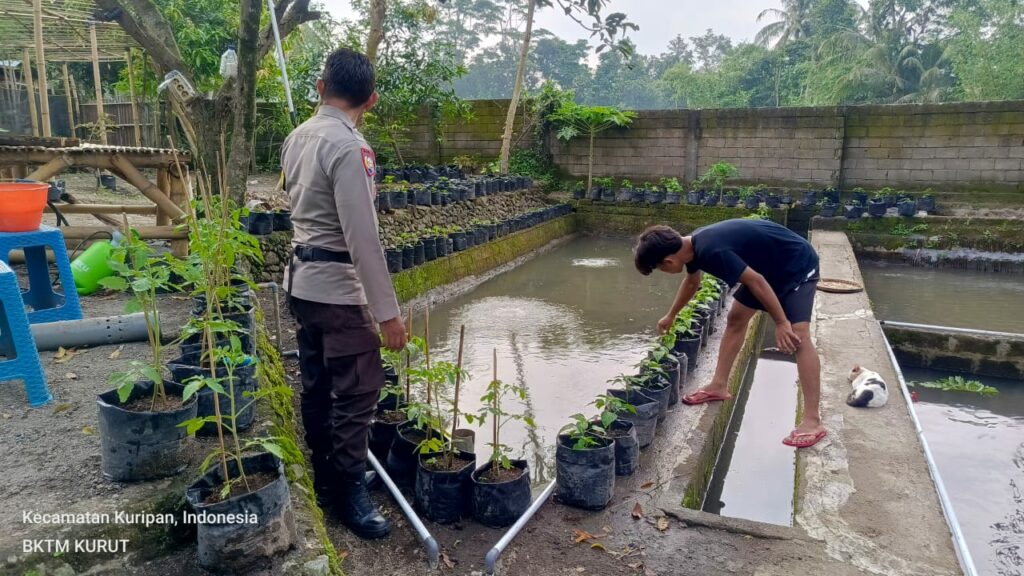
(655, 145)
(973, 146)
(438, 142)
(956, 145)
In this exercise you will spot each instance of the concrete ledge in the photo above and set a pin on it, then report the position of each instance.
(933, 232)
(632, 219)
(975, 352)
(479, 259)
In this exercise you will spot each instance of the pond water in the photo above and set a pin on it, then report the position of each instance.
(978, 445)
(755, 474)
(945, 297)
(563, 324)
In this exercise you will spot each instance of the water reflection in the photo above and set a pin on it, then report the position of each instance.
(978, 443)
(560, 330)
(945, 297)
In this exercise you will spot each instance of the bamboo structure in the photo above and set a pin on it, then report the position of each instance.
(67, 98)
(26, 74)
(44, 99)
(101, 117)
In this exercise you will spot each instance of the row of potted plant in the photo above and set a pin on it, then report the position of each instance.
(592, 451)
(396, 195)
(877, 205)
(411, 250)
(147, 421)
(416, 433)
(417, 173)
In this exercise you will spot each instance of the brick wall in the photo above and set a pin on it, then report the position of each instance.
(948, 147)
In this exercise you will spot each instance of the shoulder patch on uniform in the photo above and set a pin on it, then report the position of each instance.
(369, 162)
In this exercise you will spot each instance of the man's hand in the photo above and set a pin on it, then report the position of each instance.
(664, 324)
(785, 338)
(394, 334)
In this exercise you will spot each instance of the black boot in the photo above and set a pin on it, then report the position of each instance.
(354, 508)
(324, 479)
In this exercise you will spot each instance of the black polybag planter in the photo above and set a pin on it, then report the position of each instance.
(586, 478)
(671, 368)
(828, 210)
(401, 459)
(282, 221)
(730, 200)
(261, 223)
(810, 198)
(429, 249)
(394, 260)
(672, 197)
(444, 496)
(690, 347)
(627, 447)
(143, 445)
(441, 246)
(853, 212)
(659, 392)
(608, 195)
(712, 199)
(500, 504)
(435, 197)
(645, 421)
(877, 207)
(382, 435)
(418, 256)
(237, 547)
(244, 382)
(926, 203)
(907, 208)
(399, 199)
(408, 256)
(384, 202)
(751, 203)
(860, 198)
(422, 197)
(694, 197)
(773, 201)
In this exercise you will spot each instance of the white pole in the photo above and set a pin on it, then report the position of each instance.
(281, 62)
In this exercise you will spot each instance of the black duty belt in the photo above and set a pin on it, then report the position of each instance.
(317, 254)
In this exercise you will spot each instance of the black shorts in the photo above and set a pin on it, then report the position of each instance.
(798, 303)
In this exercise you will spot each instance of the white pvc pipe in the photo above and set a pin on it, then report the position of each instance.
(491, 560)
(281, 61)
(959, 542)
(974, 331)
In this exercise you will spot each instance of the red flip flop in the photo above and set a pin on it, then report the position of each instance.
(803, 439)
(702, 396)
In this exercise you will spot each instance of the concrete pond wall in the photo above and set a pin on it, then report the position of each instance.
(994, 354)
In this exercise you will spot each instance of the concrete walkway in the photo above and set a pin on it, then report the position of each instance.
(865, 492)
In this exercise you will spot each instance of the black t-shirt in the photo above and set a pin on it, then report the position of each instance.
(725, 249)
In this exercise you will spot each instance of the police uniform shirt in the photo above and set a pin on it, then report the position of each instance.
(329, 169)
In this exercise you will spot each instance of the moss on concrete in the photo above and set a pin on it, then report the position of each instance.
(631, 219)
(940, 232)
(699, 482)
(479, 259)
(285, 428)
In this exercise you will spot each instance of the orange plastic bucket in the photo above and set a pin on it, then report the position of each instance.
(21, 206)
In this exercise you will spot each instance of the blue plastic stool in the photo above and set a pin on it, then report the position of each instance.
(46, 304)
(21, 361)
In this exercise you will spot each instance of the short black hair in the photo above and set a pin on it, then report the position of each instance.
(349, 75)
(654, 245)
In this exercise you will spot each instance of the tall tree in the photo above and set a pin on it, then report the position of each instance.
(792, 23)
(586, 13)
(229, 112)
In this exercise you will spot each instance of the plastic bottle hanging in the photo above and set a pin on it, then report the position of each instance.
(229, 63)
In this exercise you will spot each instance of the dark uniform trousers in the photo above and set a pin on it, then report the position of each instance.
(342, 375)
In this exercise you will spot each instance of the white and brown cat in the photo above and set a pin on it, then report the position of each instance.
(869, 390)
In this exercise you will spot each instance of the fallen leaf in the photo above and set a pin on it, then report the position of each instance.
(582, 536)
(71, 376)
(447, 561)
(662, 523)
(63, 355)
(646, 485)
(7, 416)
(636, 565)
(116, 353)
(342, 555)
(638, 512)
(62, 407)
(88, 430)
(598, 546)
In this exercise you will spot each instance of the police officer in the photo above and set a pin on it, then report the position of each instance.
(339, 288)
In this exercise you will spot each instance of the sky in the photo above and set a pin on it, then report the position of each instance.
(659, 20)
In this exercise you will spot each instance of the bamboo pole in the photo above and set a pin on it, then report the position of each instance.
(67, 99)
(78, 106)
(145, 232)
(30, 87)
(44, 99)
(101, 117)
(52, 168)
(458, 385)
(131, 94)
(426, 349)
(494, 420)
(133, 209)
(163, 182)
(178, 196)
(408, 356)
(148, 189)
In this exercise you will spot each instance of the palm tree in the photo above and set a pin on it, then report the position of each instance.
(792, 24)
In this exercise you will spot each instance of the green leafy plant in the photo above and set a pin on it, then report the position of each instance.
(671, 185)
(611, 407)
(747, 192)
(493, 409)
(573, 120)
(716, 176)
(583, 432)
(626, 184)
(606, 183)
(141, 273)
(957, 384)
